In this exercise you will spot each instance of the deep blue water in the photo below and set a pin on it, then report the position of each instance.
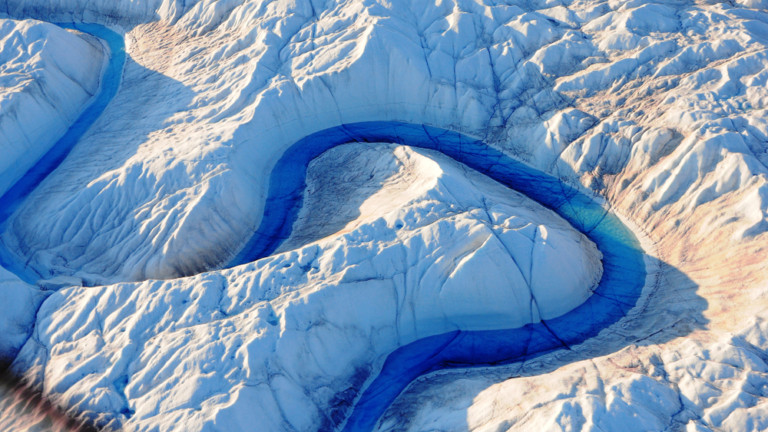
(620, 287)
(110, 83)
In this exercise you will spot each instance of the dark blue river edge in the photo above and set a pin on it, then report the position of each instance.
(622, 282)
(110, 82)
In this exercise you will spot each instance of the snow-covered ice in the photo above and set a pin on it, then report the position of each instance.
(659, 107)
(47, 76)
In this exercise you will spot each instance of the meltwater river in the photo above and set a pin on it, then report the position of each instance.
(617, 292)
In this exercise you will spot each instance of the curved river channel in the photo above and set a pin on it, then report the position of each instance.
(624, 271)
(110, 83)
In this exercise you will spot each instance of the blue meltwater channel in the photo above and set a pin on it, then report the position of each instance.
(622, 282)
(617, 292)
(110, 82)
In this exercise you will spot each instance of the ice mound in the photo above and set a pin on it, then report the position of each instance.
(418, 245)
(47, 76)
(498, 238)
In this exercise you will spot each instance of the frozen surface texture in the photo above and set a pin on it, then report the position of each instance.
(47, 76)
(421, 247)
(18, 303)
(717, 383)
(658, 106)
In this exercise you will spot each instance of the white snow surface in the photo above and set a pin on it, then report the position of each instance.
(47, 76)
(658, 106)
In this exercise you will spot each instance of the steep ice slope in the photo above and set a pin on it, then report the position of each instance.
(47, 76)
(286, 342)
(367, 180)
(660, 106)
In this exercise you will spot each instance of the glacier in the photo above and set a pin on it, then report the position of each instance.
(139, 251)
(37, 168)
